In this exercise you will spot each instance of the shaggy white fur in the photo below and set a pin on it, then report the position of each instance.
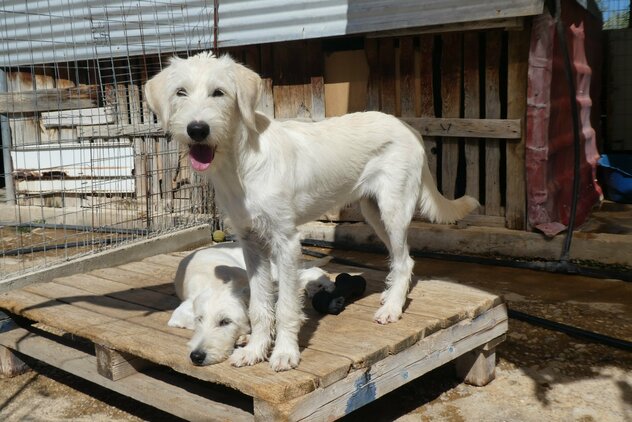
(213, 286)
(270, 176)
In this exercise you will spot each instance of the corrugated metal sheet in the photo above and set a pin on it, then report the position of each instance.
(46, 31)
(67, 30)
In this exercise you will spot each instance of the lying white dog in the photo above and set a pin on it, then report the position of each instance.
(213, 286)
(271, 176)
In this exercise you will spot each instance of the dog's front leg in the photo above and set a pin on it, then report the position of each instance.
(286, 249)
(261, 308)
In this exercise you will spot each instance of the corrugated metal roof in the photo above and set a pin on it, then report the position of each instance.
(45, 31)
(67, 30)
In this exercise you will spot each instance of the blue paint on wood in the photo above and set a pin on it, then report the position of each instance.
(363, 393)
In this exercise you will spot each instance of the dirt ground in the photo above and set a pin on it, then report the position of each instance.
(541, 375)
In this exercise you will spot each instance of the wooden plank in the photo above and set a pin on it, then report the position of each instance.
(100, 286)
(315, 68)
(318, 98)
(387, 75)
(115, 365)
(141, 387)
(513, 23)
(102, 305)
(292, 90)
(426, 47)
(360, 340)
(78, 117)
(327, 367)
(468, 128)
(363, 386)
(373, 60)
(130, 337)
(167, 260)
(119, 131)
(133, 278)
(451, 76)
(407, 77)
(515, 208)
(492, 111)
(471, 110)
(85, 96)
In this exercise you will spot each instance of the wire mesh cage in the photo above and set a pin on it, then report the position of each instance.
(85, 165)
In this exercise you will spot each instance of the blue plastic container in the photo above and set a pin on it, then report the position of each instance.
(616, 170)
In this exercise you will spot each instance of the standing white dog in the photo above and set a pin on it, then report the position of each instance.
(271, 176)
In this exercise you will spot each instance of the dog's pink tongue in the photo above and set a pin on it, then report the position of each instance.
(201, 157)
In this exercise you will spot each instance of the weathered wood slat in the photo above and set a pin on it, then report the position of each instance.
(104, 305)
(85, 96)
(78, 117)
(386, 54)
(162, 283)
(119, 131)
(101, 286)
(373, 59)
(144, 388)
(427, 126)
(505, 23)
(471, 110)
(130, 337)
(451, 75)
(407, 77)
(515, 208)
(492, 111)
(426, 80)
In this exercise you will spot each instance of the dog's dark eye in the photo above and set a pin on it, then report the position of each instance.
(217, 93)
(199, 319)
(224, 322)
(181, 92)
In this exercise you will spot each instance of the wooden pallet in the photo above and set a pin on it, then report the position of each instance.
(110, 327)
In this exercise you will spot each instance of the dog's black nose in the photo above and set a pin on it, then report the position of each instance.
(198, 131)
(197, 357)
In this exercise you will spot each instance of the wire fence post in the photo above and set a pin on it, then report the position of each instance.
(5, 133)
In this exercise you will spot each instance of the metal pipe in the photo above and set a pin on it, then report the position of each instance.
(5, 134)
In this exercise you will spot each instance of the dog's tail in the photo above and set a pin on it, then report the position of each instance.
(438, 208)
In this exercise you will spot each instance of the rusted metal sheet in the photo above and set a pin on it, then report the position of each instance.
(549, 154)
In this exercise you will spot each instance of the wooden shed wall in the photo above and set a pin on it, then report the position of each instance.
(464, 91)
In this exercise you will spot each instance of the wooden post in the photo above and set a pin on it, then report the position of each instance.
(478, 367)
(10, 364)
(115, 365)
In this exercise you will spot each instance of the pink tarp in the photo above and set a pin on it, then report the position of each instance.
(549, 146)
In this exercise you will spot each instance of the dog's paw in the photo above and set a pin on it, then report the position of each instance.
(246, 356)
(387, 314)
(284, 360)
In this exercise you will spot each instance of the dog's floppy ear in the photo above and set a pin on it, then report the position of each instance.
(157, 97)
(248, 92)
